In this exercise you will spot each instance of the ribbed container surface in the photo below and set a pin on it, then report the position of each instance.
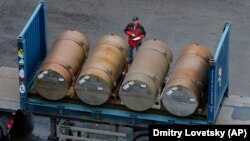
(141, 85)
(61, 65)
(100, 73)
(182, 94)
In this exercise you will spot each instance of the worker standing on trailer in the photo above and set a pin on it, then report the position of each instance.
(136, 33)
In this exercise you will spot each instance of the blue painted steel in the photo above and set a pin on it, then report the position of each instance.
(219, 75)
(33, 42)
(32, 49)
(78, 110)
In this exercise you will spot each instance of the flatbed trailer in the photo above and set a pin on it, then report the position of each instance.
(32, 49)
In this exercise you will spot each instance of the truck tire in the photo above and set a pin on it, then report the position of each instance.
(140, 136)
(1, 134)
(3, 137)
(23, 124)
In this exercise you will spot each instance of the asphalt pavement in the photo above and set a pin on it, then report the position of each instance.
(176, 22)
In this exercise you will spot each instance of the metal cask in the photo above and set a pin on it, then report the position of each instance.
(100, 73)
(182, 94)
(61, 65)
(142, 83)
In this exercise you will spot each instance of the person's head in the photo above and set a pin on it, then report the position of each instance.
(135, 20)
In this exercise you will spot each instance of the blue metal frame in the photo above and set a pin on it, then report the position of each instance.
(219, 75)
(32, 49)
(32, 41)
(81, 111)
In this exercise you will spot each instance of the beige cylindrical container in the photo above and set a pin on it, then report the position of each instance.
(100, 73)
(142, 83)
(183, 92)
(61, 65)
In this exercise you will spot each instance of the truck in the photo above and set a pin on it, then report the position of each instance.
(7, 108)
(17, 94)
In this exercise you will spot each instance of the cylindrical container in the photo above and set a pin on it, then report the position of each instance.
(145, 76)
(182, 94)
(100, 73)
(61, 65)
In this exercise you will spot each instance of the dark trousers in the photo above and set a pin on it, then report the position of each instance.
(132, 52)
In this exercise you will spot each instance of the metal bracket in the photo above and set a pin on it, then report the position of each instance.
(80, 130)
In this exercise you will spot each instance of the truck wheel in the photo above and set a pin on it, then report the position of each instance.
(7, 137)
(4, 138)
(140, 136)
(1, 134)
(23, 124)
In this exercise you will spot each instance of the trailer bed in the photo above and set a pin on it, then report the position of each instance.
(235, 109)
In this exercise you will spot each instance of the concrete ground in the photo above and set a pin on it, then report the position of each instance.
(176, 22)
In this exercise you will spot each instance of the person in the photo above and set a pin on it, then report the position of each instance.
(135, 32)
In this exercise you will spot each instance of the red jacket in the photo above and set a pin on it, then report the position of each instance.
(138, 31)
